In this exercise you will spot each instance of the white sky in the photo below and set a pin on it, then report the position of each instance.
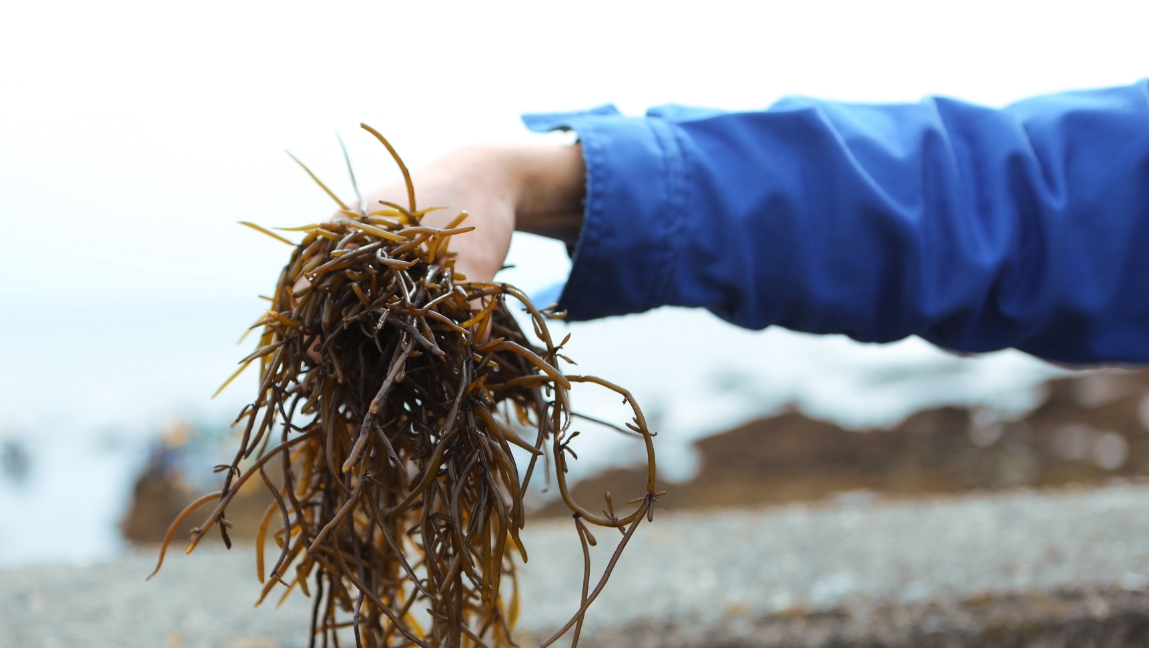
(134, 134)
(201, 98)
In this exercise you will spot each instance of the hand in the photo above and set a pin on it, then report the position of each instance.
(537, 189)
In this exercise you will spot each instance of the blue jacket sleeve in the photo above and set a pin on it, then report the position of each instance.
(974, 228)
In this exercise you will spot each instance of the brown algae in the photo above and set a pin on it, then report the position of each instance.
(391, 394)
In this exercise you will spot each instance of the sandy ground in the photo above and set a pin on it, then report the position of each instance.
(1016, 568)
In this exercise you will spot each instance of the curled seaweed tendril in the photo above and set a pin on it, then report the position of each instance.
(390, 393)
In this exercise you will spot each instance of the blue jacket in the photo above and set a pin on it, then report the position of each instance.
(974, 228)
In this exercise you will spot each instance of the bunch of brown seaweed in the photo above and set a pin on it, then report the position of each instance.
(390, 394)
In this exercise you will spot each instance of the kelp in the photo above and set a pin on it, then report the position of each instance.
(392, 394)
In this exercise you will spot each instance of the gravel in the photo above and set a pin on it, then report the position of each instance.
(857, 571)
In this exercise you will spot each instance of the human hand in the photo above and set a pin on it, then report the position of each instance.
(538, 189)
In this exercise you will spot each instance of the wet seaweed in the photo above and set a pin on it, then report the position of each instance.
(392, 392)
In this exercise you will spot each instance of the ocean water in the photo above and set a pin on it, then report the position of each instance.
(95, 384)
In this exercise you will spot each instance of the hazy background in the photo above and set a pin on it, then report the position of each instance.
(133, 136)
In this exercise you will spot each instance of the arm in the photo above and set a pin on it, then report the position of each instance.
(976, 229)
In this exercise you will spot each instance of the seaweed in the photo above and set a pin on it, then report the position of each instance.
(392, 392)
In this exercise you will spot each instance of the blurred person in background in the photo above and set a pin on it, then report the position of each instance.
(974, 228)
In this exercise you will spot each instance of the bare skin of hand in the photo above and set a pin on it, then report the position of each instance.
(536, 189)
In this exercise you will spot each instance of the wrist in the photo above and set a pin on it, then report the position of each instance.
(550, 185)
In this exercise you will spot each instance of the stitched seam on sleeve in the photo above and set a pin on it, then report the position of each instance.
(590, 235)
(674, 174)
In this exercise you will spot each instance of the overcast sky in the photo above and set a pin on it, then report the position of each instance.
(201, 98)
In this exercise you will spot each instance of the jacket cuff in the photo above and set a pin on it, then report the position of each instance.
(635, 194)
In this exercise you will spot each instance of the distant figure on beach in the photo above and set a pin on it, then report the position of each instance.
(974, 228)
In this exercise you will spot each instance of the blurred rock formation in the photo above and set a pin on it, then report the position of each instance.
(1091, 429)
